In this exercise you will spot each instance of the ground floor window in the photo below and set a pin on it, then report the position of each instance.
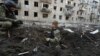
(35, 14)
(45, 15)
(26, 13)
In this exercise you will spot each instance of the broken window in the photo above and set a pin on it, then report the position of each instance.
(69, 2)
(81, 13)
(74, 4)
(35, 4)
(35, 14)
(45, 15)
(67, 18)
(61, 9)
(54, 16)
(55, 7)
(60, 17)
(45, 5)
(26, 13)
(26, 2)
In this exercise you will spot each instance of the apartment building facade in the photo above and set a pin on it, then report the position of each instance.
(41, 10)
(84, 11)
(64, 11)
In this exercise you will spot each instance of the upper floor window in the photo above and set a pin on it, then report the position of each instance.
(60, 17)
(54, 16)
(36, 4)
(61, 9)
(45, 5)
(26, 2)
(55, 7)
(74, 4)
(69, 2)
(35, 14)
(45, 15)
(26, 13)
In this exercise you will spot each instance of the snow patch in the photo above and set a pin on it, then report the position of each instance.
(94, 32)
(69, 30)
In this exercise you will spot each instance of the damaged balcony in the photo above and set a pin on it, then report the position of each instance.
(93, 16)
(45, 10)
(81, 17)
(68, 13)
(70, 6)
(46, 1)
(82, 9)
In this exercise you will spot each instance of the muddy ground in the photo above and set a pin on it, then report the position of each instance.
(87, 45)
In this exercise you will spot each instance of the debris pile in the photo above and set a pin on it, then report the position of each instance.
(30, 41)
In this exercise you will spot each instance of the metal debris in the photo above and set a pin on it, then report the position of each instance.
(24, 40)
(23, 53)
(69, 30)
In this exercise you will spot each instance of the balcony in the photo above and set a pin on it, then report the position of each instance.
(81, 16)
(45, 10)
(82, 9)
(93, 16)
(70, 6)
(46, 1)
(68, 13)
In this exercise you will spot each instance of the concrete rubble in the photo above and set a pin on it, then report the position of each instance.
(30, 41)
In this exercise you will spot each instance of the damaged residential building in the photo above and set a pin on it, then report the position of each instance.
(83, 11)
(64, 11)
(41, 10)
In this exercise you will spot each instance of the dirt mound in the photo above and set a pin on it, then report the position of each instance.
(30, 41)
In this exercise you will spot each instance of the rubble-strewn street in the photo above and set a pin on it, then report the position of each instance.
(30, 41)
(49, 27)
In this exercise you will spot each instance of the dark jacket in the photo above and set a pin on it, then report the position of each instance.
(10, 14)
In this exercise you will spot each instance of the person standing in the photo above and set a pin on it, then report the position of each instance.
(55, 37)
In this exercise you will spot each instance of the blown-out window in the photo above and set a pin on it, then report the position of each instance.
(26, 13)
(36, 4)
(45, 15)
(35, 14)
(26, 2)
(45, 5)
